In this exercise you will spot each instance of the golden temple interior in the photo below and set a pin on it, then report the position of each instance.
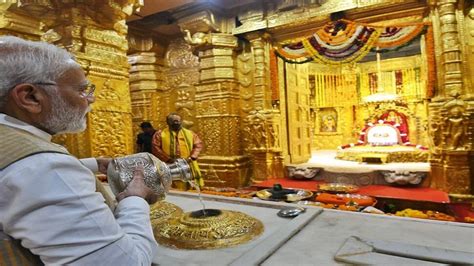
(215, 63)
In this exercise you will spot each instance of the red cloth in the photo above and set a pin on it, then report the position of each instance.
(406, 193)
(461, 211)
(415, 193)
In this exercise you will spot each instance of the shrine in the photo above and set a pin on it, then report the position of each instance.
(354, 111)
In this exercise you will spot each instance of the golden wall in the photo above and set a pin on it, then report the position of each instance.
(218, 74)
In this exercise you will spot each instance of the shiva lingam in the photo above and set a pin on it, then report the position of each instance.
(202, 229)
(208, 229)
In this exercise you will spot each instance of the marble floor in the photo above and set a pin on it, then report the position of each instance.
(318, 236)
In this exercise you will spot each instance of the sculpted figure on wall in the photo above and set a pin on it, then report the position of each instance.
(456, 128)
(185, 104)
(453, 120)
(273, 135)
(198, 38)
(256, 135)
(258, 130)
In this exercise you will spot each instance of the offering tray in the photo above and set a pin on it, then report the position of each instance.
(346, 199)
(337, 188)
(288, 195)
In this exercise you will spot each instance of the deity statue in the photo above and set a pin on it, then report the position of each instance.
(455, 128)
(393, 118)
(258, 133)
(273, 135)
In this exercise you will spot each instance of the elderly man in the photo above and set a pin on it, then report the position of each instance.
(48, 197)
(177, 142)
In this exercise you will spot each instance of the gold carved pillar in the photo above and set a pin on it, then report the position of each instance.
(451, 111)
(146, 79)
(95, 32)
(217, 102)
(262, 125)
(17, 21)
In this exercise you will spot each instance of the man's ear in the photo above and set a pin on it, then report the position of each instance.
(28, 97)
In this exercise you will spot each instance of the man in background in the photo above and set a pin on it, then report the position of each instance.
(48, 197)
(144, 138)
(176, 142)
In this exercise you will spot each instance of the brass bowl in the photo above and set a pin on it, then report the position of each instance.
(209, 229)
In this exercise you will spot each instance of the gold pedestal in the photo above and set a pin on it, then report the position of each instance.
(163, 211)
(208, 229)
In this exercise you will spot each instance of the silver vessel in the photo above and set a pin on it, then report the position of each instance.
(158, 175)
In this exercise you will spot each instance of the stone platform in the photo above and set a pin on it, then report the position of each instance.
(324, 237)
(386, 154)
(332, 170)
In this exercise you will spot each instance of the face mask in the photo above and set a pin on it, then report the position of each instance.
(175, 127)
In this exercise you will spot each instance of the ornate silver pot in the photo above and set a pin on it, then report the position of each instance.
(158, 175)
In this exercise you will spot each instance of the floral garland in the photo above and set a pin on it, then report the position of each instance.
(274, 77)
(351, 52)
(345, 41)
(291, 58)
(396, 36)
(430, 56)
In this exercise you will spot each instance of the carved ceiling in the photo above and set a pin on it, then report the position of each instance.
(283, 19)
(160, 16)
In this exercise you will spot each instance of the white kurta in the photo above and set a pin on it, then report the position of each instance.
(49, 202)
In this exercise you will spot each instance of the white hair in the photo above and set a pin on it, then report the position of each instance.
(24, 61)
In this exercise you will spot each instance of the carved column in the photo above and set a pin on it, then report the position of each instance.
(451, 47)
(17, 21)
(263, 124)
(146, 79)
(97, 37)
(451, 111)
(217, 102)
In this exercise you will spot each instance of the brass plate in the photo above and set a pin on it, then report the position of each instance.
(219, 229)
(300, 194)
(338, 188)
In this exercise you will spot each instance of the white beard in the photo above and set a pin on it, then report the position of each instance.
(65, 119)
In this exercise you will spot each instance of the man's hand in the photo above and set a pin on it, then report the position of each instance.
(137, 187)
(103, 163)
